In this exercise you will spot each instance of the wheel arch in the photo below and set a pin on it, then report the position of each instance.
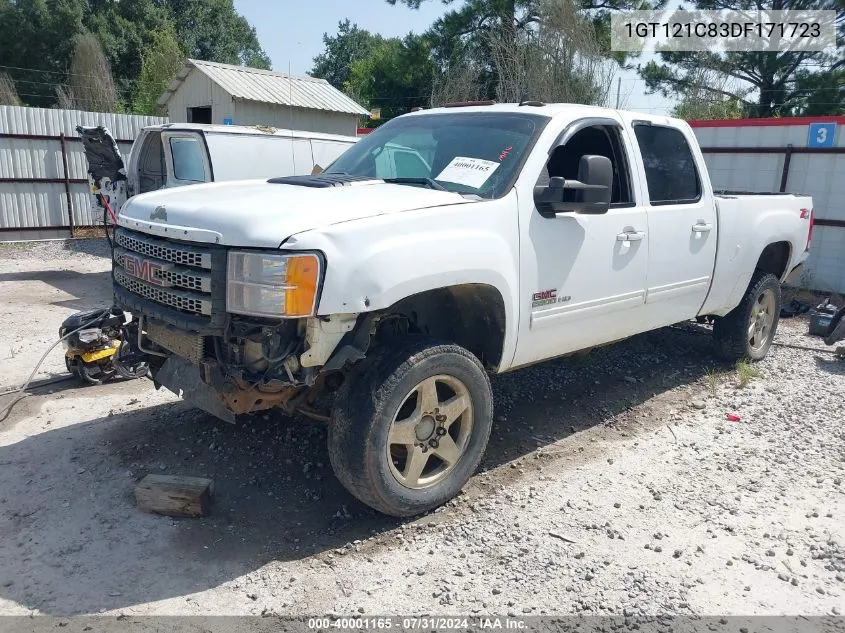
(775, 259)
(471, 315)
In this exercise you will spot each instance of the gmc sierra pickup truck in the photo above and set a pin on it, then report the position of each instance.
(379, 300)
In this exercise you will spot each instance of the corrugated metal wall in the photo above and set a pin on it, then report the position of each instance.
(36, 209)
(820, 175)
(254, 113)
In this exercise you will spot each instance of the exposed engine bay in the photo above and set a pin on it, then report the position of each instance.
(253, 366)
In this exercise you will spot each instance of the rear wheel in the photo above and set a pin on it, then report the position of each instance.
(409, 427)
(748, 330)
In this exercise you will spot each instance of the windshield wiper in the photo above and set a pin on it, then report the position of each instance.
(428, 182)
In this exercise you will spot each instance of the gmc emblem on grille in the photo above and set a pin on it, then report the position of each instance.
(143, 269)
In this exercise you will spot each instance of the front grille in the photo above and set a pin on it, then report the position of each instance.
(187, 281)
(189, 302)
(164, 249)
(165, 274)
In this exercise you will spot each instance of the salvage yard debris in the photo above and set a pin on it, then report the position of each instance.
(175, 496)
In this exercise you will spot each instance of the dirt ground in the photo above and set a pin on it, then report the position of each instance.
(613, 484)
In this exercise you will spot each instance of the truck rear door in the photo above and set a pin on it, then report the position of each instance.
(681, 222)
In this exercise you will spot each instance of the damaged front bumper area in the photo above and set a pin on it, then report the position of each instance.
(254, 365)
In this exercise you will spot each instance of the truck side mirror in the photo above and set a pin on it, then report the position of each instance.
(590, 194)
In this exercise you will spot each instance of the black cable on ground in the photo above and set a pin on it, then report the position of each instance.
(6, 411)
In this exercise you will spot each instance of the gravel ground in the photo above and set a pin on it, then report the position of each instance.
(613, 484)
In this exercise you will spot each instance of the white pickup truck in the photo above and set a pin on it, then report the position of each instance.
(380, 302)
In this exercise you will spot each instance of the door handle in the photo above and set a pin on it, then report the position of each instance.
(631, 236)
(702, 227)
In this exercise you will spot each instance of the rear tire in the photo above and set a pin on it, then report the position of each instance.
(748, 330)
(410, 425)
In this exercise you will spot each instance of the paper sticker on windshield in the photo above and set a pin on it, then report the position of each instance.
(472, 172)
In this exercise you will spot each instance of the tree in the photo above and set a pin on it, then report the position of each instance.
(700, 102)
(37, 38)
(351, 44)
(486, 37)
(476, 17)
(559, 61)
(765, 83)
(158, 68)
(90, 85)
(8, 93)
(395, 75)
(36, 43)
(212, 30)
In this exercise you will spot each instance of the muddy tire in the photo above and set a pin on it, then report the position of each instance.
(410, 425)
(748, 330)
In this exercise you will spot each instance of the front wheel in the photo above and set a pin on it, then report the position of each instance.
(409, 427)
(748, 330)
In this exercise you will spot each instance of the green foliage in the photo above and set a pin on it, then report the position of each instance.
(90, 84)
(764, 84)
(709, 109)
(8, 94)
(158, 67)
(395, 75)
(350, 45)
(38, 36)
(745, 373)
(481, 43)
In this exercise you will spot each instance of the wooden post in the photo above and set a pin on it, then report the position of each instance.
(70, 221)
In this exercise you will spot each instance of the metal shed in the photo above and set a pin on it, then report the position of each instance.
(208, 92)
(799, 155)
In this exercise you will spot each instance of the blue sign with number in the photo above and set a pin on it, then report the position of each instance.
(228, 122)
(822, 135)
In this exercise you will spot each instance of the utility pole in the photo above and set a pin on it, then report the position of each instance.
(618, 86)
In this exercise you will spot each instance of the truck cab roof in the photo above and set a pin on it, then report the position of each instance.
(551, 110)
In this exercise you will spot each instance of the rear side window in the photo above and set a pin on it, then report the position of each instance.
(187, 159)
(670, 170)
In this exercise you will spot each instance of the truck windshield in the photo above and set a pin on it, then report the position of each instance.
(476, 153)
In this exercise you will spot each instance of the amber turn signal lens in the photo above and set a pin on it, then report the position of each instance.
(301, 281)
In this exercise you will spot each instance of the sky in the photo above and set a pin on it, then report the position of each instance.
(292, 34)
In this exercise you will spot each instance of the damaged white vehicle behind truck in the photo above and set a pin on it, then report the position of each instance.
(380, 300)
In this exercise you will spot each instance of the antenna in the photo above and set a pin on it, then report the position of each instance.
(290, 126)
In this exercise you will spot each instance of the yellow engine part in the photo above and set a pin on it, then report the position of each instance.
(90, 357)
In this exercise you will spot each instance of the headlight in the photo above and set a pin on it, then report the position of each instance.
(269, 285)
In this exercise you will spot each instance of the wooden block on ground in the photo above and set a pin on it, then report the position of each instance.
(175, 496)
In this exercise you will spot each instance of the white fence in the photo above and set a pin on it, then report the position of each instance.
(43, 171)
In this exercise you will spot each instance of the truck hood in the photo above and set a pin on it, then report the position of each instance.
(259, 213)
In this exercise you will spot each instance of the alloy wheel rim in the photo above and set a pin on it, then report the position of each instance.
(761, 320)
(430, 432)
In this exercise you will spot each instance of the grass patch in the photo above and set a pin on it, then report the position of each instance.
(745, 373)
(711, 379)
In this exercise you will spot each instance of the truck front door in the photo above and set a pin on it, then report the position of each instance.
(582, 277)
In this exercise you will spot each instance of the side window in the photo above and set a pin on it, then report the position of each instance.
(187, 159)
(601, 140)
(670, 170)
